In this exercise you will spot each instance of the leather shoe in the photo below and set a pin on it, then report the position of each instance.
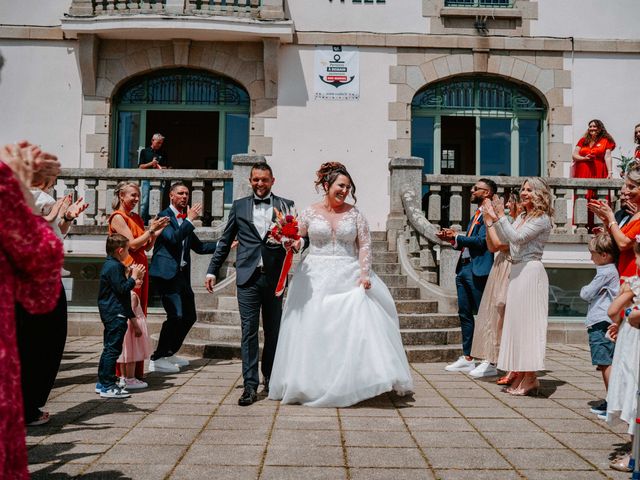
(266, 385)
(248, 397)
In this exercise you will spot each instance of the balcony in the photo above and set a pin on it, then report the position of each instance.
(203, 20)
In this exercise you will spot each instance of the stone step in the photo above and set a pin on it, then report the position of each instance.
(219, 317)
(429, 320)
(218, 333)
(205, 349)
(379, 246)
(433, 353)
(379, 235)
(385, 257)
(386, 268)
(416, 306)
(227, 303)
(405, 293)
(431, 336)
(394, 280)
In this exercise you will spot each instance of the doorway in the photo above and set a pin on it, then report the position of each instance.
(458, 146)
(191, 138)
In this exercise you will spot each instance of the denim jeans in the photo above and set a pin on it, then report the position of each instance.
(114, 331)
(145, 188)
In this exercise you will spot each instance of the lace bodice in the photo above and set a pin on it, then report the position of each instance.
(346, 234)
(527, 237)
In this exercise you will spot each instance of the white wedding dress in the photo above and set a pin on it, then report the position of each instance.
(339, 344)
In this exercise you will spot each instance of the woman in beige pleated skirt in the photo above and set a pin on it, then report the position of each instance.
(524, 333)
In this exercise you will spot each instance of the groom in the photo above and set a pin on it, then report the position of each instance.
(258, 266)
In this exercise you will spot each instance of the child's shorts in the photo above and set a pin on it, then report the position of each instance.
(601, 347)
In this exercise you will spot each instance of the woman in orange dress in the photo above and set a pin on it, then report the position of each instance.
(125, 221)
(592, 158)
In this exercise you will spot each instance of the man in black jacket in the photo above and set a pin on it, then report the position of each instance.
(258, 266)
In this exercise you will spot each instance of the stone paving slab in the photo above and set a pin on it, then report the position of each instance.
(189, 426)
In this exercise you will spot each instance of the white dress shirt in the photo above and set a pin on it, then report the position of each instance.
(262, 215)
(175, 211)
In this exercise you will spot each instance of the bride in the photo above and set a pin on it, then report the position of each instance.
(339, 339)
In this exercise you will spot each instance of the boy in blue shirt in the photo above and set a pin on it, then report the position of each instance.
(114, 304)
(599, 293)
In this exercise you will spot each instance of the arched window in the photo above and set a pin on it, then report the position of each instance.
(204, 118)
(478, 126)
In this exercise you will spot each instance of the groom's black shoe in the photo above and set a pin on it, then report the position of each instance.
(248, 397)
(266, 385)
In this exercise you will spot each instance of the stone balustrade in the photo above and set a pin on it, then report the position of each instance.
(422, 204)
(258, 9)
(96, 186)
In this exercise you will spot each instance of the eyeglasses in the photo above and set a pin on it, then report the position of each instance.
(474, 188)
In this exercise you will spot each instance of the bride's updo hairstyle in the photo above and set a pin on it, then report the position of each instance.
(327, 175)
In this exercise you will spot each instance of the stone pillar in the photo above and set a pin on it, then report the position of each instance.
(272, 10)
(405, 173)
(241, 170)
(81, 8)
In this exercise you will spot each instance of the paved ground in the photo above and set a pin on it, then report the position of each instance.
(188, 426)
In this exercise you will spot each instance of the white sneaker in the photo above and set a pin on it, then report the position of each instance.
(163, 365)
(179, 361)
(114, 392)
(461, 365)
(121, 382)
(485, 369)
(135, 384)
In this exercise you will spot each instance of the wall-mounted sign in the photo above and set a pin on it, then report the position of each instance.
(337, 73)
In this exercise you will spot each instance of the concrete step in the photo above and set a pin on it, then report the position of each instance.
(386, 268)
(405, 293)
(385, 257)
(379, 245)
(205, 349)
(218, 333)
(431, 336)
(227, 303)
(219, 317)
(381, 235)
(429, 320)
(433, 353)
(416, 306)
(394, 280)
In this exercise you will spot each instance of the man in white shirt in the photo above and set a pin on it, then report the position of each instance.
(258, 266)
(170, 271)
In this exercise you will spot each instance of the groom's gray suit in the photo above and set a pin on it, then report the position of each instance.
(255, 285)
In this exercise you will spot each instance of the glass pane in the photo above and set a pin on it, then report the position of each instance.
(495, 146)
(127, 139)
(422, 143)
(236, 141)
(564, 291)
(529, 148)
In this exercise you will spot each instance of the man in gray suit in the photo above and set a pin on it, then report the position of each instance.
(258, 266)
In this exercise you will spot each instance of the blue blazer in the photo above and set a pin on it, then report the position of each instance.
(481, 257)
(167, 251)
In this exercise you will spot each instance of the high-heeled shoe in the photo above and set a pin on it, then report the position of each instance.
(508, 379)
(532, 390)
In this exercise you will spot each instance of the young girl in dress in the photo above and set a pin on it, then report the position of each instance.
(135, 347)
(623, 383)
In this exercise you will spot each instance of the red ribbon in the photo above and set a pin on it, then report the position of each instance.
(286, 266)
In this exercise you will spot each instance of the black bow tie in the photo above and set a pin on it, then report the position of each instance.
(258, 201)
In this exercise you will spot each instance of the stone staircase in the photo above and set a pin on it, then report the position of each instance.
(428, 336)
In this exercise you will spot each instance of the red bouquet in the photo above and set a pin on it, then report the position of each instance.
(284, 231)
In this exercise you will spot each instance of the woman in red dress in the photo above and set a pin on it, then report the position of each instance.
(31, 257)
(592, 158)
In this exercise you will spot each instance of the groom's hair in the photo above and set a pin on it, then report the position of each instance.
(260, 166)
(489, 183)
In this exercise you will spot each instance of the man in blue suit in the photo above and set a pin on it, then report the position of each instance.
(472, 271)
(171, 273)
